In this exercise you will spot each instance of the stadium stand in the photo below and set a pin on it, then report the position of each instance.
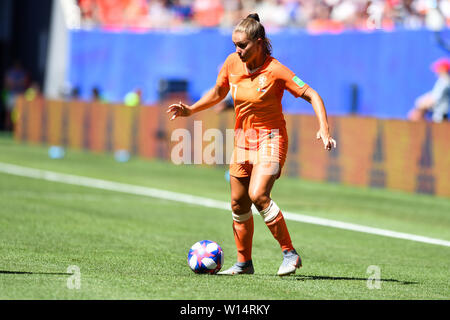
(313, 15)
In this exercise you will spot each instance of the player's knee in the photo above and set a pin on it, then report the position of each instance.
(259, 199)
(240, 206)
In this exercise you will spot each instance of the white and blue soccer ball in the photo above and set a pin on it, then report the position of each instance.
(205, 256)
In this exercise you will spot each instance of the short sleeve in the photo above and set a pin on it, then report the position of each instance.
(292, 83)
(222, 78)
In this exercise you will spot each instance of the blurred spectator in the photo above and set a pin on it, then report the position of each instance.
(135, 14)
(159, 14)
(437, 100)
(320, 18)
(75, 93)
(409, 17)
(375, 10)
(182, 11)
(16, 81)
(273, 13)
(89, 12)
(133, 98)
(33, 92)
(111, 12)
(114, 13)
(313, 15)
(97, 96)
(69, 92)
(349, 14)
(232, 13)
(207, 13)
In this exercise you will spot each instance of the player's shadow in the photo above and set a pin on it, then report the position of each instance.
(28, 272)
(306, 278)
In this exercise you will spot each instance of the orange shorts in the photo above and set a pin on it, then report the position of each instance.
(271, 149)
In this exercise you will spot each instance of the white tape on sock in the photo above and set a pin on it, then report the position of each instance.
(242, 217)
(270, 213)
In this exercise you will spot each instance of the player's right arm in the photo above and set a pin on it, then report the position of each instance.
(211, 98)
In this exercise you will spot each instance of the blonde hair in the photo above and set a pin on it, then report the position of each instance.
(254, 30)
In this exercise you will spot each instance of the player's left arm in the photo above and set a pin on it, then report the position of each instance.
(298, 88)
(316, 101)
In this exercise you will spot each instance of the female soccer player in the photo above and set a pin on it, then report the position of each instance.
(257, 82)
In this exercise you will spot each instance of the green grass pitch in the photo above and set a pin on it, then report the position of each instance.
(134, 247)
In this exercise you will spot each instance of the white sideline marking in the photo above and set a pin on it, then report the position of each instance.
(199, 201)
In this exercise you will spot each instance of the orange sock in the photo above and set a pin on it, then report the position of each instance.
(243, 236)
(280, 232)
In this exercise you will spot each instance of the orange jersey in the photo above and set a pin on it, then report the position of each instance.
(257, 96)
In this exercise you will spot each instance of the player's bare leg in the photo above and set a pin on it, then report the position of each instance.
(242, 226)
(261, 184)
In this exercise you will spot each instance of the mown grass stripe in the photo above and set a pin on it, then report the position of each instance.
(200, 201)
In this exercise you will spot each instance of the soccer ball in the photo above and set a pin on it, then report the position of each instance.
(205, 256)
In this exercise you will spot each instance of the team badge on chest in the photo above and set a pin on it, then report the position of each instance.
(262, 82)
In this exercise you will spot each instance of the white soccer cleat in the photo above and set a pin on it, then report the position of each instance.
(291, 262)
(239, 268)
